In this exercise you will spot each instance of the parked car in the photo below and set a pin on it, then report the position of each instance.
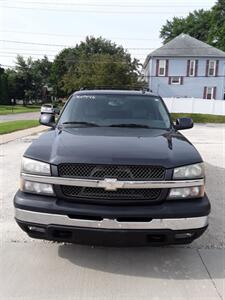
(113, 170)
(49, 109)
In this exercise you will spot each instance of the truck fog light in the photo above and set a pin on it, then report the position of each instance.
(36, 229)
(188, 192)
(183, 235)
(36, 187)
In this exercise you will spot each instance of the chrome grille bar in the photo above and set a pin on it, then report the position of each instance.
(112, 184)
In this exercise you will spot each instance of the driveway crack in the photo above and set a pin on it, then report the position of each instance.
(213, 282)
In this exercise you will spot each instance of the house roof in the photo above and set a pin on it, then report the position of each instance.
(186, 46)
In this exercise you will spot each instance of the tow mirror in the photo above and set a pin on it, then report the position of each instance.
(47, 120)
(183, 123)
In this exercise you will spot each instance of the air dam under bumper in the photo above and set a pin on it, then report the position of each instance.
(110, 232)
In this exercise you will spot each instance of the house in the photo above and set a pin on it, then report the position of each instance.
(186, 67)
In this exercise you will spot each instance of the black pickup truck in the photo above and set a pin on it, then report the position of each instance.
(113, 170)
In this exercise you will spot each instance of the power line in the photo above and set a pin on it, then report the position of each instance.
(143, 55)
(128, 48)
(72, 35)
(60, 45)
(32, 53)
(70, 59)
(7, 66)
(32, 43)
(45, 52)
(9, 52)
(97, 12)
(108, 4)
(28, 49)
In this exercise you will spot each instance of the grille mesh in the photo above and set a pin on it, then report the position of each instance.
(100, 193)
(111, 171)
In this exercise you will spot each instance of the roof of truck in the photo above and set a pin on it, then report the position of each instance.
(115, 92)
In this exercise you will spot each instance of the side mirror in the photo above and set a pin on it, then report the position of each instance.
(183, 123)
(47, 120)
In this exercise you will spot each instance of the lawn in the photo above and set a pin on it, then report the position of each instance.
(200, 118)
(7, 127)
(7, 109)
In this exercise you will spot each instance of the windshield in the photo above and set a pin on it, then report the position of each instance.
(116, 110)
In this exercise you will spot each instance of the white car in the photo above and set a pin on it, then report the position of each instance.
(49, 109)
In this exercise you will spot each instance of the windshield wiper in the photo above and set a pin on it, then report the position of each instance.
(130, 125)
(81, 123)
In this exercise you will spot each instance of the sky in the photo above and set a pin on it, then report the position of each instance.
(134, 24)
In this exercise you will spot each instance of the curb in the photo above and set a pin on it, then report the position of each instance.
(9, 137)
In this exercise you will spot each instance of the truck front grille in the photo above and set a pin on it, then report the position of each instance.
(120, 172)
(120, 194)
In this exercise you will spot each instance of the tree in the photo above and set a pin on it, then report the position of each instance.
(196, 24)
(15, 85)
(94, 63)
(217, 32)
(41, 71)
(28, 79)
(24, 74)
(205, 25)
(4, 95)
(61, 65)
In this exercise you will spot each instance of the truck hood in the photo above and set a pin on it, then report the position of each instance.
(105, 145)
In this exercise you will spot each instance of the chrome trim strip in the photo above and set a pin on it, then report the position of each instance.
(64, 220)
(113, 184)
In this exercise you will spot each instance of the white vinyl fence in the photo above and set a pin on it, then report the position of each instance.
(198, 106)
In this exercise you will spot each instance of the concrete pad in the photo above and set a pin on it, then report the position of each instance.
(215, 264)
(58, 271)
(209, 139)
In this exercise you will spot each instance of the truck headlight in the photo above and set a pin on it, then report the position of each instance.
(36, 187)
(189, 172)
(32, 166)
(187, 192)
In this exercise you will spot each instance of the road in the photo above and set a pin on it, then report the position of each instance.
(22, 116)
(34, 269)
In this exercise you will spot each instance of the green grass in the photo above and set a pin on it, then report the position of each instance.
(7, 109)
(200, 118)
(7, 127)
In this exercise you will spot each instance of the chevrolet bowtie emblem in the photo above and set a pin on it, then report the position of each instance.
(110, 184)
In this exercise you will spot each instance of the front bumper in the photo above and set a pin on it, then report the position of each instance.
(171, 222)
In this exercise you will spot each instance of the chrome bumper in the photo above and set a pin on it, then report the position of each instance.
(63, 220)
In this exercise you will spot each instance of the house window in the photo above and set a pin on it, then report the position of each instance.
(162, 67)
(212, 68)
(210, 93)
(192, 68)
(176, 80)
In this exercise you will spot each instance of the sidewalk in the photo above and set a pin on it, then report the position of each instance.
(9, 137)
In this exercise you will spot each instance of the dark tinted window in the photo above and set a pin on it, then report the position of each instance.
(107, 110)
